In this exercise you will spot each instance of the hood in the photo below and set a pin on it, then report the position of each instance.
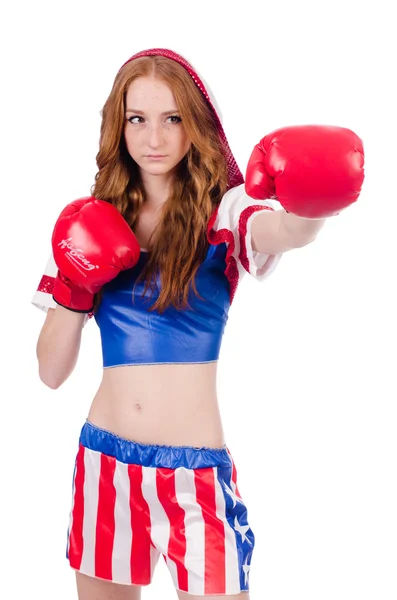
(235, 177)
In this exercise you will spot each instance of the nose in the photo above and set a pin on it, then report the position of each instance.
(155, 135)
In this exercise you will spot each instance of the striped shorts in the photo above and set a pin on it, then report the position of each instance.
(132, 502)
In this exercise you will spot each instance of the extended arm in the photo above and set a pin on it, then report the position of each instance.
(277, 232)
(314, 171)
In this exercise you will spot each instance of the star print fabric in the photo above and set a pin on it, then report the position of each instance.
(133, 502)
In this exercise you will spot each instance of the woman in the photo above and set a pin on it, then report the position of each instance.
(156, 255)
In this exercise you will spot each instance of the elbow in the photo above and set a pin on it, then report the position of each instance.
(50, 383)
(53, 373)
(50, 379)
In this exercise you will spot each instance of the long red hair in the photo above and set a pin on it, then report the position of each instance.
(179, 243)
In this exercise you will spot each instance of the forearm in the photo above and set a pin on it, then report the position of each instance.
(299, 230)
(58, 345)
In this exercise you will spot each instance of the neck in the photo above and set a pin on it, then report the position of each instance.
(157, 188)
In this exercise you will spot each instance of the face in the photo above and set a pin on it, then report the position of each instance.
(154, 133)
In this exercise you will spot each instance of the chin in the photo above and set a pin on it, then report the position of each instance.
(158, 169)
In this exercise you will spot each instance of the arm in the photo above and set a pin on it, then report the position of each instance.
(73, 277)
(314, 172)
(58, 345)
(278, 231)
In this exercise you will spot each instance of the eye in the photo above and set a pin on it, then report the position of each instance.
(136, 119)
(176, 119)
(131, 119)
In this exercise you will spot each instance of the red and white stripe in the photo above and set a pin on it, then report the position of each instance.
(123, 516)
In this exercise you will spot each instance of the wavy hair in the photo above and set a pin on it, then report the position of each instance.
(179, 243)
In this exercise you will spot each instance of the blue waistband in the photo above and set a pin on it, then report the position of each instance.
(152, 455)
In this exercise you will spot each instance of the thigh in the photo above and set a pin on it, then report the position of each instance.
(92, 588)
(202, 529)
(109, 525)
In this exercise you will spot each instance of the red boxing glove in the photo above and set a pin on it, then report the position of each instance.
(314, 171)
(91, 243)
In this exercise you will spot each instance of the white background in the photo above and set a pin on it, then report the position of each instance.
(307, 378)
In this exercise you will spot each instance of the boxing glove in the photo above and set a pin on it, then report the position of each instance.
(314, 171)
(91, 244)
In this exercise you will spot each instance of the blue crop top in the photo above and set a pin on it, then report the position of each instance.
(131, 334)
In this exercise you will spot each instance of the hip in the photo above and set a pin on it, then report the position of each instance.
(133, 502)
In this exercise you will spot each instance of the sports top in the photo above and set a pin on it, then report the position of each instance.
(131, 334)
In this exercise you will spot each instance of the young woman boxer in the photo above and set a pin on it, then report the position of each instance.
(156, 255)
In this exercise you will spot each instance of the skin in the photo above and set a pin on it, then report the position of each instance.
(163, 404)
(150, 131)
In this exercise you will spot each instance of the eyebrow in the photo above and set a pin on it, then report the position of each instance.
(140, 112)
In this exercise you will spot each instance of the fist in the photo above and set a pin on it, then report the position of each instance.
(91, 244)
(314, 171)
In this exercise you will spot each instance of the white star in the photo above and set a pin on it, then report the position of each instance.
(232, 495)
(242, 529)
(246, 569)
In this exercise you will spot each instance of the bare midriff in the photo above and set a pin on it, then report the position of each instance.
(173, 404)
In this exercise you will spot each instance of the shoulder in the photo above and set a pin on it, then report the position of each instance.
(234, 211)
(231, 222)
